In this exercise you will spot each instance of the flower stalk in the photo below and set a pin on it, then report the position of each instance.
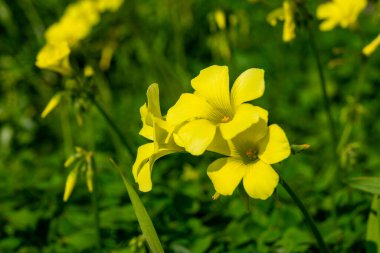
(326, 101)
(114, 127)
(312, 226)
(95, 206)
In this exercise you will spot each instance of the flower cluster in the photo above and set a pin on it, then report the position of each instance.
(286, 14)
(340, 12)
(75, 25)
(213, 118)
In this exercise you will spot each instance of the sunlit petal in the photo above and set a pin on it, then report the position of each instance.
(153, 95)
(245, 116)
(248, 86)
(275, 146)
(146, 130)
(260, 180)
(144, 179)
(212, 84)
(226, 174)
(195, 136)
(144, 152)
(190, 106)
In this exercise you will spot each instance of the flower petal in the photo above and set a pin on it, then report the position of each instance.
(226, 174)
(190, 106)
(249, 138)
(146, 130)
(219, 144)
(245, 116)
(248, 86)
(195, 136)
(144, 178)
(212, 84)
(274, 147)
(289, 22)
(153, 95)
(260, 180)
(144, 152)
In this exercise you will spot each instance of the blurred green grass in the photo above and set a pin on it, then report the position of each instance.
(169, 42)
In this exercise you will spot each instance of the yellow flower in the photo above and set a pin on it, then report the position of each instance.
(109, 5)
(286, 13)
(340, 12)
(288, 33)
(211, 115)
(254, 151)
(55, 57)
(75, 24)
(53, 103)
(371, 47)
(154, 128)
(83, 162)
(220, 19)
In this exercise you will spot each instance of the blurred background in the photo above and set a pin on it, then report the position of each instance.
(169, 42)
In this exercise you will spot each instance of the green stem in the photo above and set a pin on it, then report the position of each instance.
(321, 243)
(326, 101)
(112, 124)
(95, 206)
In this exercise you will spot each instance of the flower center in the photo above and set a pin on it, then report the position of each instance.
(251, 154)
(225, 119)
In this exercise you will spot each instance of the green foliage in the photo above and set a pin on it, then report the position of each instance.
(168, 42)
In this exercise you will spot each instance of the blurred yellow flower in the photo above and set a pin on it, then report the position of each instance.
(75, 24)
(211, 115)
(286, 13)
(288, 33)
(372, 46)
(88, 71)
(220, 19)
(109, 5)
(83, 162)
(53, 103)
(55, 57)
(154, 128)
(70, 183)
(255, 150)
(340, 12)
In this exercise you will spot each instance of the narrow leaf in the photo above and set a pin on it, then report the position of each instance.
(367, 184)
(142, 215)
(373, 227)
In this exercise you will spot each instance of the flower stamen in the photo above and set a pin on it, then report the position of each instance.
(225, 119)
(251, 154)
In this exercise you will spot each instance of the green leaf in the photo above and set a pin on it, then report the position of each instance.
(373, 227)
(367, 184)
(142, 215)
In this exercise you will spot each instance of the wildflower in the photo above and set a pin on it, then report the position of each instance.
(255, 150)
(75, 24)
(82, 161)
(55, 57)
(286, 13)
(109, 5)
(340, 12)
(154, 128)
(371, 47)
(211, 115)
(220, 19)
(88, 71)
